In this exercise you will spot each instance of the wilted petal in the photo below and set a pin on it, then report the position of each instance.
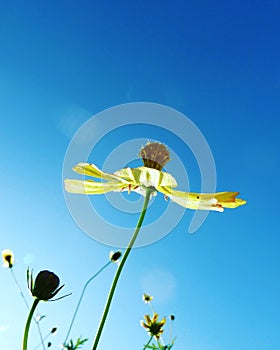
(229, 200)
(204, 201)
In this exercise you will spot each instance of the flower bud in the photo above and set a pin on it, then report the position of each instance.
(53, 330)
(114, 256)
(46, 285)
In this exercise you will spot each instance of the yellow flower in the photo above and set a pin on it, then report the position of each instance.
(153, 326)
(8, 258)
(155, 156)
(147, 298)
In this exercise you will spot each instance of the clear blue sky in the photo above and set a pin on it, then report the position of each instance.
(215, 61)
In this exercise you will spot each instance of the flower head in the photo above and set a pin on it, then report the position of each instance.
(147, 298)
(8, 258)
(114, 256)
(153, 326)
(155, 156)
(46, 285)
(53, 330)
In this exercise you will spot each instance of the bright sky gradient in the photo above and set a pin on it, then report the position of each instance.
(215, 61)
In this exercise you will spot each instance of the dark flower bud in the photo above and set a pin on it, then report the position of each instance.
(46, 285)
(53, 330)
(114, 256)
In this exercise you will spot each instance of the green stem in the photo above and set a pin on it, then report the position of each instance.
(26, 304)
(81, 297)
(145, 347)
(27, 326)
(119, 270)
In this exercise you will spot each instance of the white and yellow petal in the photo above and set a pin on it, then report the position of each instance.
(94, 171)
(91, 187)
(146, 177)
(204, 201)
(229, 200)
(138, 179)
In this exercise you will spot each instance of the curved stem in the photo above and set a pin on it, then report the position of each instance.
(145, 347)
(26, 304)
(27, 326)
(81, 297)
(119, 270)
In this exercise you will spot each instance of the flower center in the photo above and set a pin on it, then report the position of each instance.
(8, 258)
(154, 155)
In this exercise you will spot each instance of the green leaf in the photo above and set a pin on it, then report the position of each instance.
(70, 345)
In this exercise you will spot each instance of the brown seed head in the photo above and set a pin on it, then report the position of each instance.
(155, 155)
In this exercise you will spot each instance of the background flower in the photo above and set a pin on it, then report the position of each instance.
(8, 258)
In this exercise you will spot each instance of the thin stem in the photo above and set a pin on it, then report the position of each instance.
(151, 306)
(27, 306)
(145, 347)
(170, 332)
(45, 338)
(27, 326)
(40, 333)
(119, 270)
(81, 297)
(161, 339)
(19, 289)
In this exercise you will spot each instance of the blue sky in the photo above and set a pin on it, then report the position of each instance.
(214, 61)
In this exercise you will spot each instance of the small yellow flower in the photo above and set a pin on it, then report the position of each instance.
(147, 298)
(8, 258)
(155, 155)
(153, 326)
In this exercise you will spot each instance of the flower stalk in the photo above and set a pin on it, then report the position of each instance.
(8, 262)
(119, 270)
(81, 297)
(149, 341)
(27, 326)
